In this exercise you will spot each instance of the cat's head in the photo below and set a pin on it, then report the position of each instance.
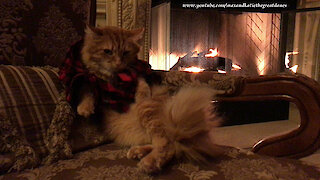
(110, 49)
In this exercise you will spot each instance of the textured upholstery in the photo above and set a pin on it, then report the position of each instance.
(109, 162)
(36, 32)
(28, 98)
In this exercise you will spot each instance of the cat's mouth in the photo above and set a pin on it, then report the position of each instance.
(107, 74)
(105, 71)
(119, 68)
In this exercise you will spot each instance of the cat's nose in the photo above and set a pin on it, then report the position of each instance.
(117, 61)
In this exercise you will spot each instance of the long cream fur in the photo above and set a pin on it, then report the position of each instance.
(179, 118)
(187, 114)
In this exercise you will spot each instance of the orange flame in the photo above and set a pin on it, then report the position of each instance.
(193, 69)
(195, 54)
(213, 53)
(235, 67)
(198, 48)
(294, 68)
(287, 61)
(221, 71)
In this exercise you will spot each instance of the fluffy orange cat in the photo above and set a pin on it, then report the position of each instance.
(158, 125)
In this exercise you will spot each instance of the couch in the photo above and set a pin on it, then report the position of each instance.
(28, 100)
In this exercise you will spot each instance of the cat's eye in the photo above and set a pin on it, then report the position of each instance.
(125, 53)
(108, 51)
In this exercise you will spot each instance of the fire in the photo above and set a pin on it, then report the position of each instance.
(163, 61)
(173, 59)
(261, 67)
(235, 67)
(221, 71)
(294, 68)
(197, 50)
(213, 53)
(287, 61)
(193, 69)
(195, 54)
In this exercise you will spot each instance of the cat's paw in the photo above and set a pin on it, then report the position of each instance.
(149, 164)
(85, 108)
(156, 159)
(138, 152)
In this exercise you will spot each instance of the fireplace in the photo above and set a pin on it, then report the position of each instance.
(245, 43)
(237, 42)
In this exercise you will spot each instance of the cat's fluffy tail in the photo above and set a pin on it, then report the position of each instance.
(189, 114)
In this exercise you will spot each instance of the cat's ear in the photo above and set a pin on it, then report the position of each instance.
(92, 31)
(136, 34)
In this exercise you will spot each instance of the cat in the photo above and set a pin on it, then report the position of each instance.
(158, 125)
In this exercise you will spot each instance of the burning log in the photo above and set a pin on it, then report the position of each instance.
(207, 63)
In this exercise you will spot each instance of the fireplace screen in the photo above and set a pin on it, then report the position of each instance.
(245, 43)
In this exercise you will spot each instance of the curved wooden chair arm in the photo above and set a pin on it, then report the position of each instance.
(298, 89)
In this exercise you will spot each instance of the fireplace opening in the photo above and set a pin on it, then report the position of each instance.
(247, 43)
(239, 42)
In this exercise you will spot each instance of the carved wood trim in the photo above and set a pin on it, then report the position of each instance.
(92, 12)
(119, 13)
(147, 31)
(136, 14)
(298, 89)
